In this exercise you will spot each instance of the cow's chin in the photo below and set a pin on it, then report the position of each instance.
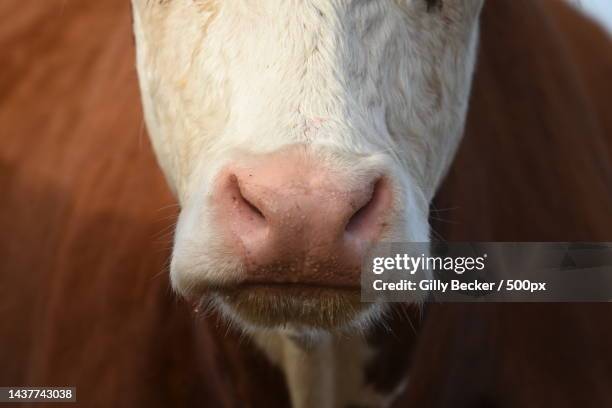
(290, 306)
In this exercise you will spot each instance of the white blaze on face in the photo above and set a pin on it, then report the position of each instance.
(378, 86)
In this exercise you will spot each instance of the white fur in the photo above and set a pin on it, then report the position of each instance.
(378, 85)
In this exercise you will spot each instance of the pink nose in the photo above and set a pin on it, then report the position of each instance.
(292, 220)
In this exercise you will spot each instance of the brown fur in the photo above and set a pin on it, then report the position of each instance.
(535, 165)
(85, 223)
(84, 294)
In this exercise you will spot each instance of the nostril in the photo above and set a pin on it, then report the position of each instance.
(241, 203)
(368, 221)
(253, 208)
(250, 205)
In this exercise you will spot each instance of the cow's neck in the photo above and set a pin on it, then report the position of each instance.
(327, 372)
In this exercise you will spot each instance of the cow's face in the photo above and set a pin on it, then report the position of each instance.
(296, 134)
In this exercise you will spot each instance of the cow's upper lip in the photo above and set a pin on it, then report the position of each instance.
(296, 274)
(315, 282)
(281, 287)
(293, 290)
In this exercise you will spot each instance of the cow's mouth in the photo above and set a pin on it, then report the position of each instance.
(293, 304)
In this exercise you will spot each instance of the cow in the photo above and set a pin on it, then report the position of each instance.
(297, 135)
(330, 124)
